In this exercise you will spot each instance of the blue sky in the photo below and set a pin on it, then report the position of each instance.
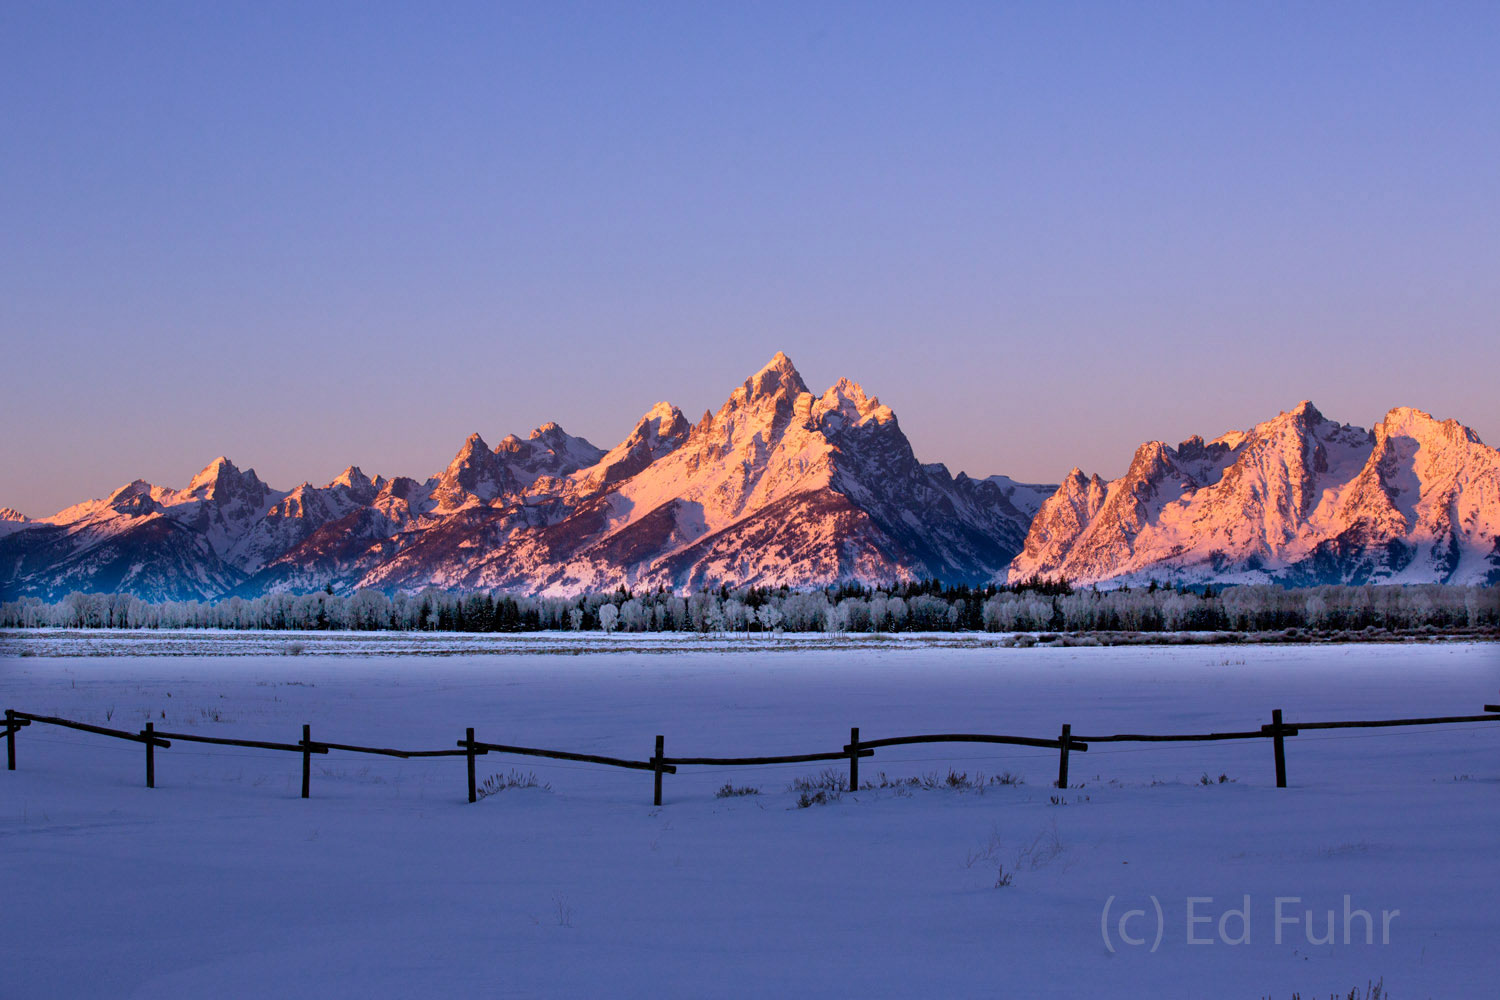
(313, 235)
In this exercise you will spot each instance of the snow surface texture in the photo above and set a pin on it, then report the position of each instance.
(222, 882)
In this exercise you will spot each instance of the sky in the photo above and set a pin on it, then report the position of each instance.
(313, 235)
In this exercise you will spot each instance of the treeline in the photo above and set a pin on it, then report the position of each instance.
(924, 606)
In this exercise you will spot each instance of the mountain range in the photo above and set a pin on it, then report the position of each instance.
(1299, 499)
(784, 487)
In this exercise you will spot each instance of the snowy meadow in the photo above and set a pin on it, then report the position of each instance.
(1173, 870)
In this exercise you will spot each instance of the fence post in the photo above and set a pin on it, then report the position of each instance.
(656, 765)
(853, 758)
(1280, 741)
(469, 748)
(10, 739)
(306, 760)
(1062, 758)
(150, 756)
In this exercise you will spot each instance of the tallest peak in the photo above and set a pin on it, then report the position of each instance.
(780, 363)
(775, 378)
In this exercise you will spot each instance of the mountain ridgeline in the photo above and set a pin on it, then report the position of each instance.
(1298, 500)
(782, 487)
(778, 487)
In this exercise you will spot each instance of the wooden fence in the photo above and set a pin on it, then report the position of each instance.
(659, 764)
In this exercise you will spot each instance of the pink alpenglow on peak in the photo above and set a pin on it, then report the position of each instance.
(355, 479)
(780, 486)
(12, 520)
(1298, 499)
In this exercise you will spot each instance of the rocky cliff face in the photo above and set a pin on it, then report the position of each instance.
(1298, 499)
(780, 486)
(784, 486)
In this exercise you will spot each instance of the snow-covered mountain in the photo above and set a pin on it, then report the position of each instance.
(12, 520)
(1298, 499)
(143, 539)
(783, 486)
(780, 486)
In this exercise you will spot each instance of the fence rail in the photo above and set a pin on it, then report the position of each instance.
(1377, 723)
(118, 734)
(587, 758)
(1021, 741)
(226, 742)
(659, 764)
(794, 758)
(1254, 734)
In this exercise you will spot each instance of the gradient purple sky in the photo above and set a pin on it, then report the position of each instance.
(311, 235)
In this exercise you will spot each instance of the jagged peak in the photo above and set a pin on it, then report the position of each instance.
(779, 377)
(781, 363)
(661, 419)
(11, 514)
(661, 411)
(661, 430)
(222, 474)
(136, 496)
(848, 389)
(547, 443)
(847, 400)
(133, 488)
(1298, 419)
(844, 394)
(1404, 414)
(473, 444)
(401, 487)
(212, 472)
(1301, 422)
(1150, 459)
(352, 477)
(473, 463)
(1075, 483)
(1076, 488)
(1305, 410)
(1412, 422)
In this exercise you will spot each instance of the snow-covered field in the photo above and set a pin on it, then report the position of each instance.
(223, 882)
